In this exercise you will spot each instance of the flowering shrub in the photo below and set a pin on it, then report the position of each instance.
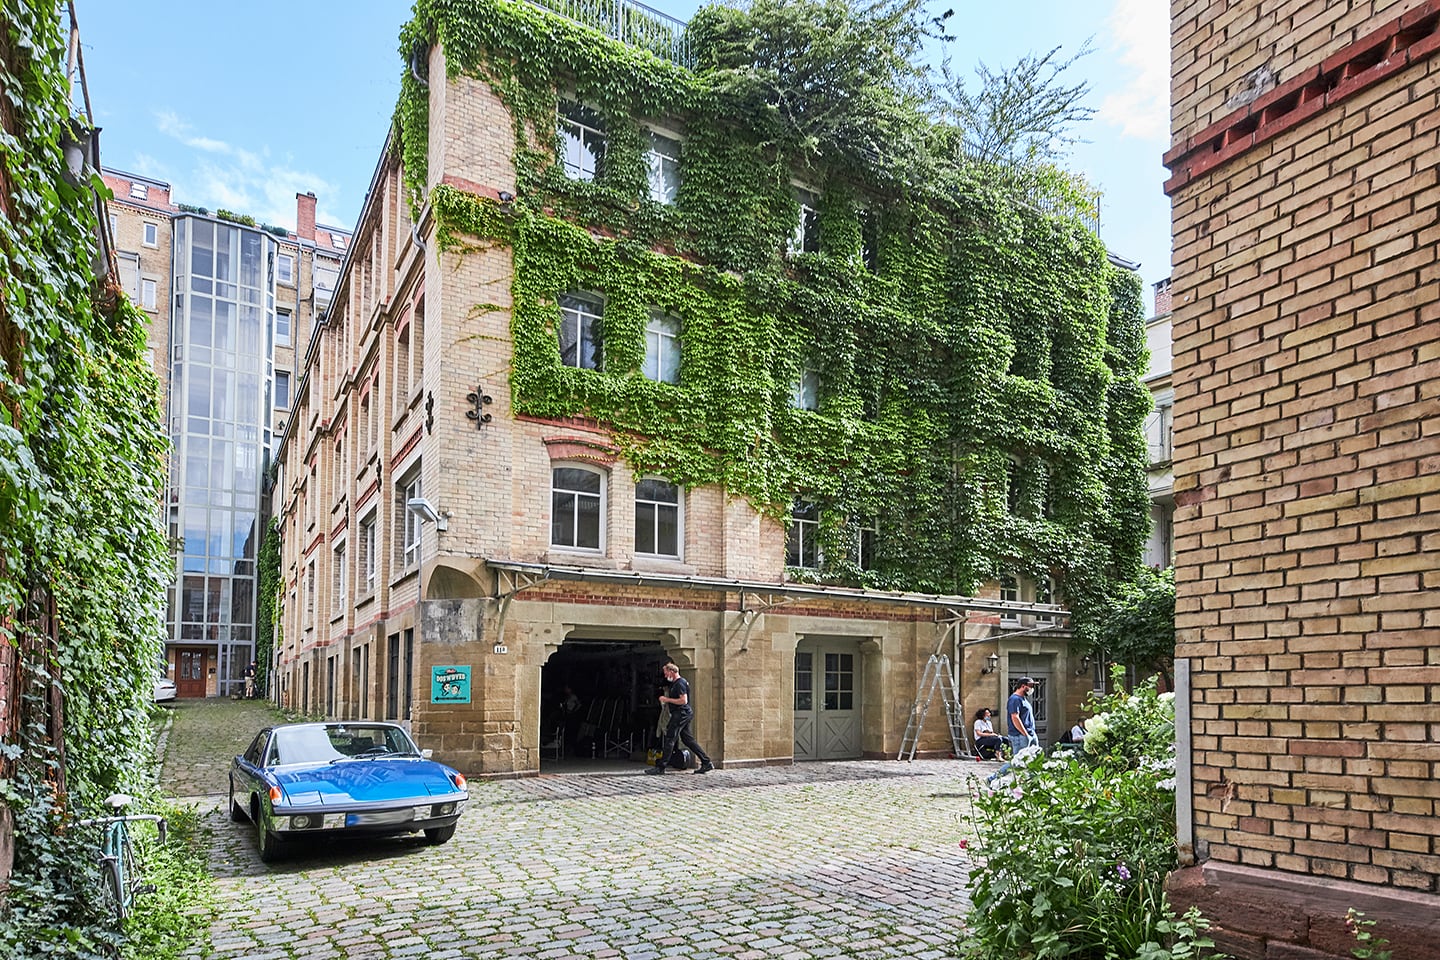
(1072, 850)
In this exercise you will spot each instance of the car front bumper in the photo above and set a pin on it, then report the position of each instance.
(389, 818)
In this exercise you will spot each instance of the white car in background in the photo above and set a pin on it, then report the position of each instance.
(164, 689)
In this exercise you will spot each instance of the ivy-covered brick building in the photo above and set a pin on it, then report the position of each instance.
(624, 366)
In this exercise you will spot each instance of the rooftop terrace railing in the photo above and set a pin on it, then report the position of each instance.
(631, 23)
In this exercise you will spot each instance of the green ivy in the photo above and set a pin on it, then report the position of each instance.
(988, 330)
(81, 474)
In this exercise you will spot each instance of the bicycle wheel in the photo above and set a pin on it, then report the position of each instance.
(112, 901)
(128, 873)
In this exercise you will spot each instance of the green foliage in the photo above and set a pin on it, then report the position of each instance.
(177, 914)
(957, 322)
(268, 590)
(81, 470)
(1138, 629)
(1368, 946)
(1073, 850)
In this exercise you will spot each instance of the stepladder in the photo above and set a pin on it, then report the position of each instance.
(936, 680)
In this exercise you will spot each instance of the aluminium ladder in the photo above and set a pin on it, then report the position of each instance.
(937, 676)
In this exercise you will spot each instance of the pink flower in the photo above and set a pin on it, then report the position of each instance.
(964, 844)
(1017, 793)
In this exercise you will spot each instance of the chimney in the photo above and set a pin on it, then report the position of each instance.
(305, 216)
(1162, 297)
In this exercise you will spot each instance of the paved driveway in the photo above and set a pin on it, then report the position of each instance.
(820, 860)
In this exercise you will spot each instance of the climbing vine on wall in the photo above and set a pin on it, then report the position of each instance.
(978, 358)
(81, 472)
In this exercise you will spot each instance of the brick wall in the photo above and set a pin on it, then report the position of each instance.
(1307, 448)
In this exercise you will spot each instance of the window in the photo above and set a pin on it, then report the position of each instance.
(411, 524)
(1159, 429)
(582, 141)
(285, 268)
(806, 238)
(802, 538)
(662, 348)
(664, 160)
(1045, 593)
(138, 191)
(282, 390)
(1010, 593)
(657, 518)
(150, 235)
(866, 534)
(869, 239)
(147, 294)
(282, 328)
(839, 681)
(804, 681)
(114, 225)
(576, 505)
(806, 393)
(580, 332)
(337, 241)
(367, 553)
(1012, 486)
(339, 591)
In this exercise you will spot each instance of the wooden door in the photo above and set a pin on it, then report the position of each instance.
(190, 671)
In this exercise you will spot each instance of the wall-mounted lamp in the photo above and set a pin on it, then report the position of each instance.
(991, 662)
(1084, 666)
(423, 509)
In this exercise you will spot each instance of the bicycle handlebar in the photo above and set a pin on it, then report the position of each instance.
(155, 818)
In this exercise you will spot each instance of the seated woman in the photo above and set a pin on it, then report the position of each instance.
(987, 744)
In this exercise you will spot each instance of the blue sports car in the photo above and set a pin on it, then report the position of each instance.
(317, 779)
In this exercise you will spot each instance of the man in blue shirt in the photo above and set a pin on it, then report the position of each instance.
(677, 696)
(1020, 718)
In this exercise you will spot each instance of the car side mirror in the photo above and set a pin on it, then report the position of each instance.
(427, 753)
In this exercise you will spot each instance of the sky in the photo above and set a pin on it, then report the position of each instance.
(243, 105)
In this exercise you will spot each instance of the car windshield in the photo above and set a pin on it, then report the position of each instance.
(339, 741)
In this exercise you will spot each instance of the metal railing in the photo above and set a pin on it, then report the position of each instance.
(631, 23)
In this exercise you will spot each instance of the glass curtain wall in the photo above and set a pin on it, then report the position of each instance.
(220, 383)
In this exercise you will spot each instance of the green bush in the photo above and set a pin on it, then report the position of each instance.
(1074, 848)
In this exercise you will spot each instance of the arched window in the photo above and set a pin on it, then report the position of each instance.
(577, 501)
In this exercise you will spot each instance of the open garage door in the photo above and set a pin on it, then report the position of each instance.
(597, 703)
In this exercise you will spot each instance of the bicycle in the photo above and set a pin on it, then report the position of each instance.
(123, 880)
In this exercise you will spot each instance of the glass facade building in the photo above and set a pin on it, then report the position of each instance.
(221, 378)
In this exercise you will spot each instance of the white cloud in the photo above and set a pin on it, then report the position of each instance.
(1140, 35)
(220, 175)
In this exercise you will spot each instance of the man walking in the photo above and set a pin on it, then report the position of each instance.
(677, 697)
(1020, 718)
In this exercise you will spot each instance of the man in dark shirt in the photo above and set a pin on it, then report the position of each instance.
(677, 696)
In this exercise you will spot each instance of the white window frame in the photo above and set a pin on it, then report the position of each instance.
(602, 506)
(150, 234)
(579, 159)
(678, 505)
(148, 293)
(139, 191)
(583, 312)
(283, 339)
(805, 394)
(1010, 593)
(866, 530)
(285, 269)
(663, 157)
(413, 526)
(369, 541)
(804, 529)
(807, 220)
(662, 340)
(341, 582)
(276, 390)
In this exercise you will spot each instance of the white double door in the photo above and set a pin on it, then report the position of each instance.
(827, 700)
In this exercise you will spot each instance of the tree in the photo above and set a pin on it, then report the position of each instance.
(1140, 628)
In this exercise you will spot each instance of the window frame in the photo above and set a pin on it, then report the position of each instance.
(658, 162)
(573, 306)
(285, 274)
(582, 126)
(653, 367)
(340, 583)
(276, 390)
(149, 293)
(805, 393)
(369, 542)
(139, 191)
(805, 238)
(602, 508)
(283, 339)
(412, 526)
(678, 506)
(150, 234)
(795, 532)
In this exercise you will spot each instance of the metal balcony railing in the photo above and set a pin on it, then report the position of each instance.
(631, 23)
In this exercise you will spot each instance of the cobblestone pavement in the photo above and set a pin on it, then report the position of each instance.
(852, 860)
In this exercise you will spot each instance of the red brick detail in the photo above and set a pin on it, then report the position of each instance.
(305, 216)
(1403, 42)
(471, 187)
(580, 448)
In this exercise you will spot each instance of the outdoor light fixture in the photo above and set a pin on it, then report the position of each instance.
(423, 509)
(991, 662)
(1084, 666)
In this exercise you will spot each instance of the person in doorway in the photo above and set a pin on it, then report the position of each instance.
(987, 741)
(250, 673)
(1020, 718)
(677, 698)
(570, 719)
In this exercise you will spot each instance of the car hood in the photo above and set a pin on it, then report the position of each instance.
(365, 781)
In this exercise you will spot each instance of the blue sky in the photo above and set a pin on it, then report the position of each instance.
(243, 105)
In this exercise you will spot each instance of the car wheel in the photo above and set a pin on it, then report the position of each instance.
(266, 842)
(438, 835)
(237, 813)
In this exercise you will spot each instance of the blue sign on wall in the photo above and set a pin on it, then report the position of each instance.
(449, 684)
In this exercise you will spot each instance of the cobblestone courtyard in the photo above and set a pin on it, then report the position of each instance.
(820, 860)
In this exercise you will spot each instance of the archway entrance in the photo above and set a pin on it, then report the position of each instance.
(597, 703)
